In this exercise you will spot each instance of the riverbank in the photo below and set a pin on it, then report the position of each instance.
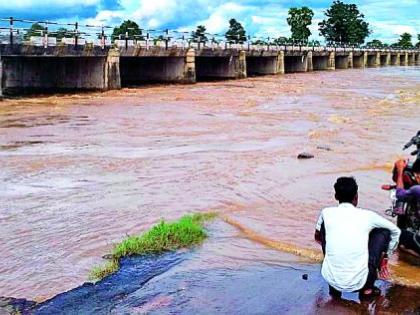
(200, 282)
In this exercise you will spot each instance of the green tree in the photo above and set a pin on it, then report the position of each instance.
(344, 23)
(281, 41)
(36, 29)
(315, 43)
(199, 35)
(236, 33)
(260, 42)
(404, 41)
(63, 33)
(130, 27)
(376, 43)
(299, 19)
(418, 43)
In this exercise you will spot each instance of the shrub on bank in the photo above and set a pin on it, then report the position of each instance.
(163, 237)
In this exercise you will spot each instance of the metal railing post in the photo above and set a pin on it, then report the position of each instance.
(46, 35)
(11, 30)
(102, 38)
(76, 30)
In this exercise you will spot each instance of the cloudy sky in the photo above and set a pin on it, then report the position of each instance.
(387, 18)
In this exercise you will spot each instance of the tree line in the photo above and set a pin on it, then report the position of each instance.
(343, 24)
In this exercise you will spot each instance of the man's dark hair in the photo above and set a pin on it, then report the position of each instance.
(345, 189)
(416, 166)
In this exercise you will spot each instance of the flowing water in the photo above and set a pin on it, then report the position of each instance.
(80, 172)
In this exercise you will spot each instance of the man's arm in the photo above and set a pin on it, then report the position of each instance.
(318, 237)
(379, 222)
(404, 194)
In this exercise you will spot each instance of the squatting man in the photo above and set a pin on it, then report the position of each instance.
(356, 243)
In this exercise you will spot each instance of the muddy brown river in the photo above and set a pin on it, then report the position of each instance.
(80, 172)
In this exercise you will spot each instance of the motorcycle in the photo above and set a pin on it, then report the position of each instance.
(398, 208)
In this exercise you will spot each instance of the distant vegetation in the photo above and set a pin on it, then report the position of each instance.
(186, 232)
(129, 28)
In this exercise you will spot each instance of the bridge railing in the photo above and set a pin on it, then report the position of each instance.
(50, 33)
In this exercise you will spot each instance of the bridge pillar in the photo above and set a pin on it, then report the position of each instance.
(365, 58)
(331, 61)
(350, 61)
(280, 63)
(189, 67)
(412, 59)
(309, 62)
(417, 59)
(404, 59)
(388, 59)
(241, 72)
(378, 59)
(112, 76)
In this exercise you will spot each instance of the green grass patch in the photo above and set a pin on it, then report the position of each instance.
(165, 236)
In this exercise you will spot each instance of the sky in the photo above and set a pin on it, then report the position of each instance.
(387, 18)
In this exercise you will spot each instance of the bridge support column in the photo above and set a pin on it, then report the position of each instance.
(241, 72)
(396, 59)
(309, 61)
(189, 67)
(404, 59)
(365, 58)
(331, 61)
(112, 76)
(417, 59)
(378, 59)
(388, 59)
(280, 63)
(412, 59)
(350, 61)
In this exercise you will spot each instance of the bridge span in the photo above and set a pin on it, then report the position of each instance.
(31, 69)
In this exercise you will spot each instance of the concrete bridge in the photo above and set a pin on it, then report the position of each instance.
(28, 68)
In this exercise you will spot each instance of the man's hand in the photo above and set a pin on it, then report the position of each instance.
(384, 273)
(400, 165)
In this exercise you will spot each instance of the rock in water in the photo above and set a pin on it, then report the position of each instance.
(305, 155)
